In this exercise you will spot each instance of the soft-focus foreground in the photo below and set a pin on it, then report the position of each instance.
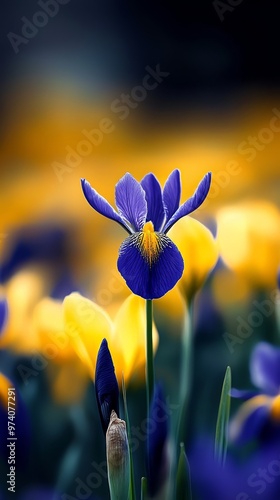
(139, 253)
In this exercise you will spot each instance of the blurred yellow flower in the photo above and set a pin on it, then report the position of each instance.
(67, 376)
(49, 324)
(199, 250)
(87, 324)
(249, 241)
(23, 291)
(5, 385)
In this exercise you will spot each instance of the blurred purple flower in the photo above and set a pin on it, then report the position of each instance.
(148, 260)
(261, 411)
(3, 313)
(157, 440)
(242, 478)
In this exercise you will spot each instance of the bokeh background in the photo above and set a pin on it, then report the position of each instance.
(217, 108)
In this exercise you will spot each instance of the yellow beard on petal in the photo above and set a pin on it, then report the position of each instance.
(150, 244)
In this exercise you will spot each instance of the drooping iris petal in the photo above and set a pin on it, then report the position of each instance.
(250, 419)
(265, 367)
(157, 457)
(106, 385)
(153, 193)
(100, 204)
(192, 203)
(172, 193)
(131, 202)
(3, 313)
(153, 272)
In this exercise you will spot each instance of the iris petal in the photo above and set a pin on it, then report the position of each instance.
(243, 394)
(106, 385)
(250, 420)
(192, 203)
(151, 279)
(131, 202)
(172, 193)
(3, 313)
(153, 193)
(265, 368)
(101, 205)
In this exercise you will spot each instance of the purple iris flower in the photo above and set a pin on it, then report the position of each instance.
(250, 477)
(106, 385)
(260, 414)
(148, 260)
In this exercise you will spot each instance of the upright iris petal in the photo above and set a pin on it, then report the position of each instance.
(106, 385)
(100, 204)
(148, 260)
(172, 193)
(130, 200)
(154, 200)
(192, 203)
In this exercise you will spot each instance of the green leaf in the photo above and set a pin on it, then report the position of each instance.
(144, 488)
(183, 479)
(221, 439)
(132, 495)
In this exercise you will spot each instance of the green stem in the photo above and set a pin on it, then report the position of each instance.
(149, 356)
(186, 372)
(143, 488)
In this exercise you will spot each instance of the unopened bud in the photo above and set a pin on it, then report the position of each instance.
(117, 458)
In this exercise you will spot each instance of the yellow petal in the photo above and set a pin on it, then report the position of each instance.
(170, 311)
(130, 337)
(5, 384)
(199, 250)
(23, 292)
(87, 325)
(48, 321)
(249, 240)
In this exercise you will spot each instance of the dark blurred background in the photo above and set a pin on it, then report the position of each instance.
(223, 83)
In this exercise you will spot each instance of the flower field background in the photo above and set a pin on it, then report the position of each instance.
(94, 91)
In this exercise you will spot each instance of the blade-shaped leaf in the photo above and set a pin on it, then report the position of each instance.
(183, 479)
(221, 438)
